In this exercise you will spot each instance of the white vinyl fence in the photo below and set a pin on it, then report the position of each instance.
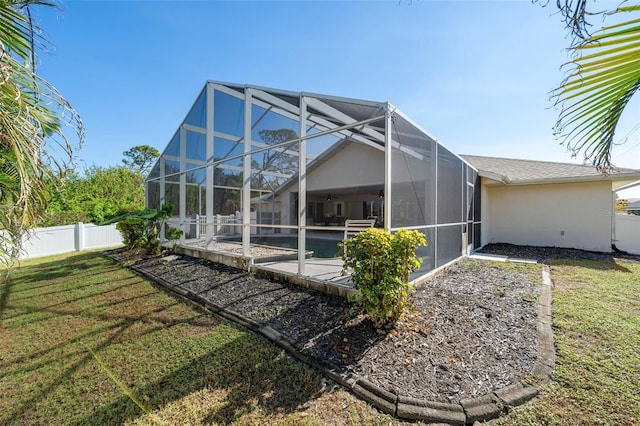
(68, 238)
(628, 233)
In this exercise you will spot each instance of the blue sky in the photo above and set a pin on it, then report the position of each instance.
(474, 74)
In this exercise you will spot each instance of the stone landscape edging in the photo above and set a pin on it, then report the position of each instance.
(467, 411)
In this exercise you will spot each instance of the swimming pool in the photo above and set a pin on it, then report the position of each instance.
(321, 247)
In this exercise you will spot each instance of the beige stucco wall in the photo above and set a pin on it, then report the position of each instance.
(575, 215)
(355, 165)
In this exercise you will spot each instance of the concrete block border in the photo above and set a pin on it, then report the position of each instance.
(467, 411)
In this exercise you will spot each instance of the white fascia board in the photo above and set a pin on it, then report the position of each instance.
(575, 179)
(581, 179)
(627, 186)
(498, 178)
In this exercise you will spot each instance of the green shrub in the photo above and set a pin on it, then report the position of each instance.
(141, 230)
(173, 235)
(381, 263)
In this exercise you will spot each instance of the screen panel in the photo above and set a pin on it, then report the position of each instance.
(197, 115)
(427, 253)
(449, 243)
(413, 176)
(451, 184)
(228, 114)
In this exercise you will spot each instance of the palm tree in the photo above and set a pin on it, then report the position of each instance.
(603, 78)
(34, 151)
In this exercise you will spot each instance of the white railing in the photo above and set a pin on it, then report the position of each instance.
(64, 239)
(222, 225)
(628, 233)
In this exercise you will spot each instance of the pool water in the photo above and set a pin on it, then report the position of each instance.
(321, 247)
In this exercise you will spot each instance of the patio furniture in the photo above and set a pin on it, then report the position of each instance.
(353, 226)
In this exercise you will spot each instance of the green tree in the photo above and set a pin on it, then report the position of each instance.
(621, 205)
(34, 151)
(604, 76)
(277, 160)
(98, 195)
(140, 158)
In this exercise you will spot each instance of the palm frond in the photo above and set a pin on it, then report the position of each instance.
(33, 120)
(603, 79)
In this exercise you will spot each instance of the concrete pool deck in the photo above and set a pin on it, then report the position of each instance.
(322, 274)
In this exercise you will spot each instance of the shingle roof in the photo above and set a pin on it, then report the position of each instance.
(514, 171)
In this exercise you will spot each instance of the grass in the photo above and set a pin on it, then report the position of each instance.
(596, 319)
(72, 327)
(187, 366)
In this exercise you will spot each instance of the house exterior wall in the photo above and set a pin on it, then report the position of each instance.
(572, 215)
(355, 165)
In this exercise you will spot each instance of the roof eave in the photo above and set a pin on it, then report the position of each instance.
(494, 176)
(571, 179)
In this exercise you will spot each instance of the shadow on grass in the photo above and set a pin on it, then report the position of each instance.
(56, 268)
(248, 371)
(5, 290)
(597, 265)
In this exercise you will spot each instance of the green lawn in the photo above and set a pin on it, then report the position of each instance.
(596, 319)
(188, 367)
(179, 362)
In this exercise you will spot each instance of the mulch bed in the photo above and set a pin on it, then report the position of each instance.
(473, 328)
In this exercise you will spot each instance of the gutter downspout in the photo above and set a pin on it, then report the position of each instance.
(613, 225)
(614, 213)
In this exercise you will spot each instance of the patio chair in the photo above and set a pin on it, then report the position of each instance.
(353, 226)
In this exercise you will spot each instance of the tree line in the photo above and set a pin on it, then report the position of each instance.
(100, 193)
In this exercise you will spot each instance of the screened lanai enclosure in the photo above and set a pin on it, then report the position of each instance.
(257, 167)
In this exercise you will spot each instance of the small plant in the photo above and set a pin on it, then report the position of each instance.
(141, 230)
(173, 235)
(381, 263)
